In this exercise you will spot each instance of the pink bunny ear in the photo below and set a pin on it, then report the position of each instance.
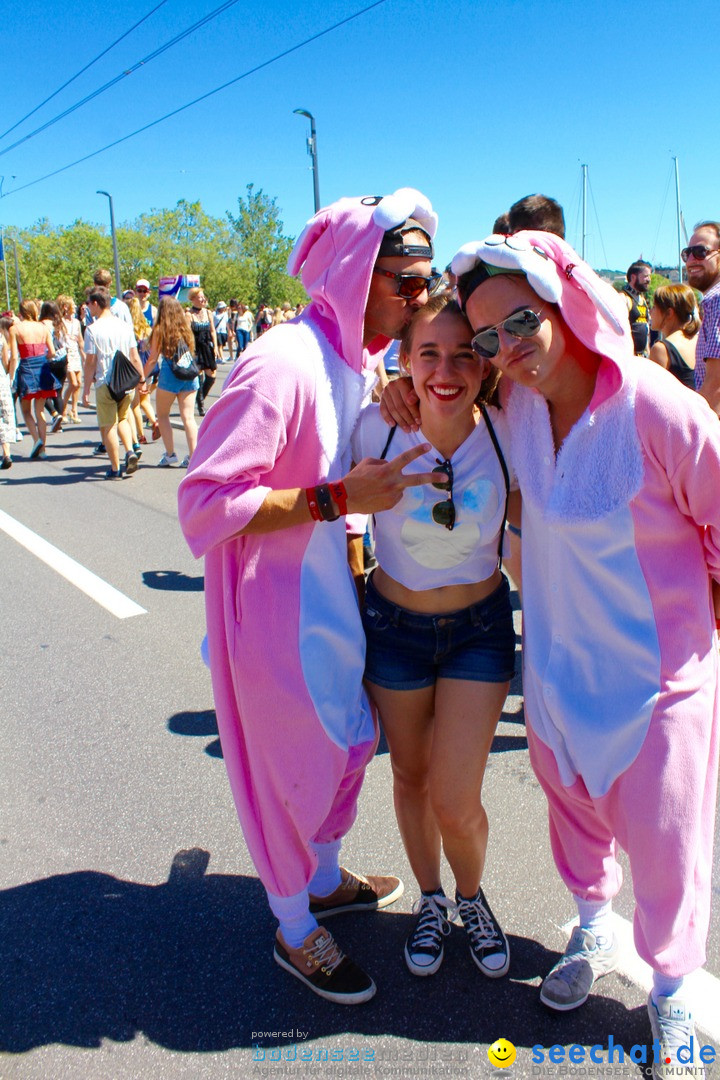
(314, 229)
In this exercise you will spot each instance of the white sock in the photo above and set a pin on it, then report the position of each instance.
(327, 877)
(293, 914)
(665, 985)
(596, 916)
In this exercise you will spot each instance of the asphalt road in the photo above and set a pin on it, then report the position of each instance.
(135, 937)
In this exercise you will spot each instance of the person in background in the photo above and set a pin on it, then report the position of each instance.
(675, 315)
(535, 212)
(206, 346)
(103, 278)
(32, 349)
(51, 317)
(220, 319)
(7, 407)
(702, 259)
(75, 359)
(142, 401)
(245, 324)
(172, 331)
(103, 338)
(634, 293)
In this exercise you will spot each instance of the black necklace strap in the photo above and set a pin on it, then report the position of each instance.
(506, 477)
(386, 447)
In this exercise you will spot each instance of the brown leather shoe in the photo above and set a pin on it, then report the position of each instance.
(355, 893)
(324, 968)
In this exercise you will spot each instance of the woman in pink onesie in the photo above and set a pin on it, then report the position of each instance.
(286, 644)
(619, 471)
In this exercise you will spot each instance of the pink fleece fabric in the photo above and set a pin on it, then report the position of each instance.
(286, 645)
(621, 535)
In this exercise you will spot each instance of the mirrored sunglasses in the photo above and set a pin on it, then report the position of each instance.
(698, 251)
(521, 324)
(443, 513)
(410, 286)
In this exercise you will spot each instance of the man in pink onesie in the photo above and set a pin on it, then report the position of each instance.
(285, 639)
(619, 469)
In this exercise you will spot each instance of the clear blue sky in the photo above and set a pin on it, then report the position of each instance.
(475, 103)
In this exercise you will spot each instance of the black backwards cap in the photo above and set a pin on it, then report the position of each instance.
(393, 242)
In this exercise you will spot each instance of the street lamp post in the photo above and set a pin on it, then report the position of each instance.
(17, 271)
(114, 243)
(312, 151)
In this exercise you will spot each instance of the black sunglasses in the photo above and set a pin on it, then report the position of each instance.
(443, 513)
(410, 286)
(521, 324)
(698, 251)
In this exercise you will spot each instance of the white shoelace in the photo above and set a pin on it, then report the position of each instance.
(432, 922)
(326, 952)
(476, 920)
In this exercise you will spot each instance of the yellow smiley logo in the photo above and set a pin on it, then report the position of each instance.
(502, 1053)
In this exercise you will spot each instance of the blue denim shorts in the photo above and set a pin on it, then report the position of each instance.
(408, 651)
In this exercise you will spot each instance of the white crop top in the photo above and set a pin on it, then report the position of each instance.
(409, 545)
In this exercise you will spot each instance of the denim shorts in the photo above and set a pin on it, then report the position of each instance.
(407, 650)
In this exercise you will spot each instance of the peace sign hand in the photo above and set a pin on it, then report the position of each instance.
(375, 485)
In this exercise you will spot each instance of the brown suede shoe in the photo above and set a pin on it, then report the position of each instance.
(324, 968)
(356, 893)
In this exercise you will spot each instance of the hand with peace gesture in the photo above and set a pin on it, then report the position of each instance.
(375, 484)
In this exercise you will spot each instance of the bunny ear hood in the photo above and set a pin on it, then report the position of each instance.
(335, 255)
(593, 310)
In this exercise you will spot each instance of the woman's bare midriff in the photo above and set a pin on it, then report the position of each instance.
(435, 601)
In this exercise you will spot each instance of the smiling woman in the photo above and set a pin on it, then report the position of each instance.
(439, 629)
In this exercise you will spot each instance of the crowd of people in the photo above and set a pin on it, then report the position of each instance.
(54, 353)
(531, 396)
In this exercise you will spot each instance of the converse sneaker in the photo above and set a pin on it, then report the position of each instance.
(321, 965)
(673, 1027)
(488, 945)
(356, 893)
(167, 460)
(425, 948)
(571, 980)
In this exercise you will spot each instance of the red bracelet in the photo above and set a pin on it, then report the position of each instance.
(339, 494)
(313, 504)
(717, 624)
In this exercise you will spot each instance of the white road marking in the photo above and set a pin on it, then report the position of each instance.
(93, 586)
(704, 988)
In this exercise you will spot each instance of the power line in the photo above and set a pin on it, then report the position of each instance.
(197, 100)
(83, 70)
(123, 74)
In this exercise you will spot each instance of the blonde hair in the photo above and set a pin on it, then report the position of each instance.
(194, 293)
(140, 324)
(681, 300)
(66, 305)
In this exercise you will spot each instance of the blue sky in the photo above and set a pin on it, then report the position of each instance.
(476, 104)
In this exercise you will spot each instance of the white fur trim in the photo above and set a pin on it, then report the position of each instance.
(601, 457)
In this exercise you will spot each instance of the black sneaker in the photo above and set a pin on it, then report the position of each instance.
(99, 450)
(321, 965)
(488, 945)
(112, 475)
(425, 948)
(131, 462)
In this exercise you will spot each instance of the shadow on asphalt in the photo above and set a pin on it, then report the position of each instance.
(188, 964)
(173, 581)
(75, 475)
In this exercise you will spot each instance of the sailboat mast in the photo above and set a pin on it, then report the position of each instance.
(679, 218)
(584, 208)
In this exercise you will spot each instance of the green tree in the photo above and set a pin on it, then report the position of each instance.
(264, 246)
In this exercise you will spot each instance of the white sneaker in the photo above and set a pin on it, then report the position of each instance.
(569, 983)
(674, 1028)
(167, 460)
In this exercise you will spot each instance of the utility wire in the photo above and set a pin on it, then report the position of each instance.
(203, 97)
(83, 70)
(597, 219)
(124, 74)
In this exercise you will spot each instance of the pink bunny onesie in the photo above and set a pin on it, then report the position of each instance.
(621, 535)
(285, 638)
